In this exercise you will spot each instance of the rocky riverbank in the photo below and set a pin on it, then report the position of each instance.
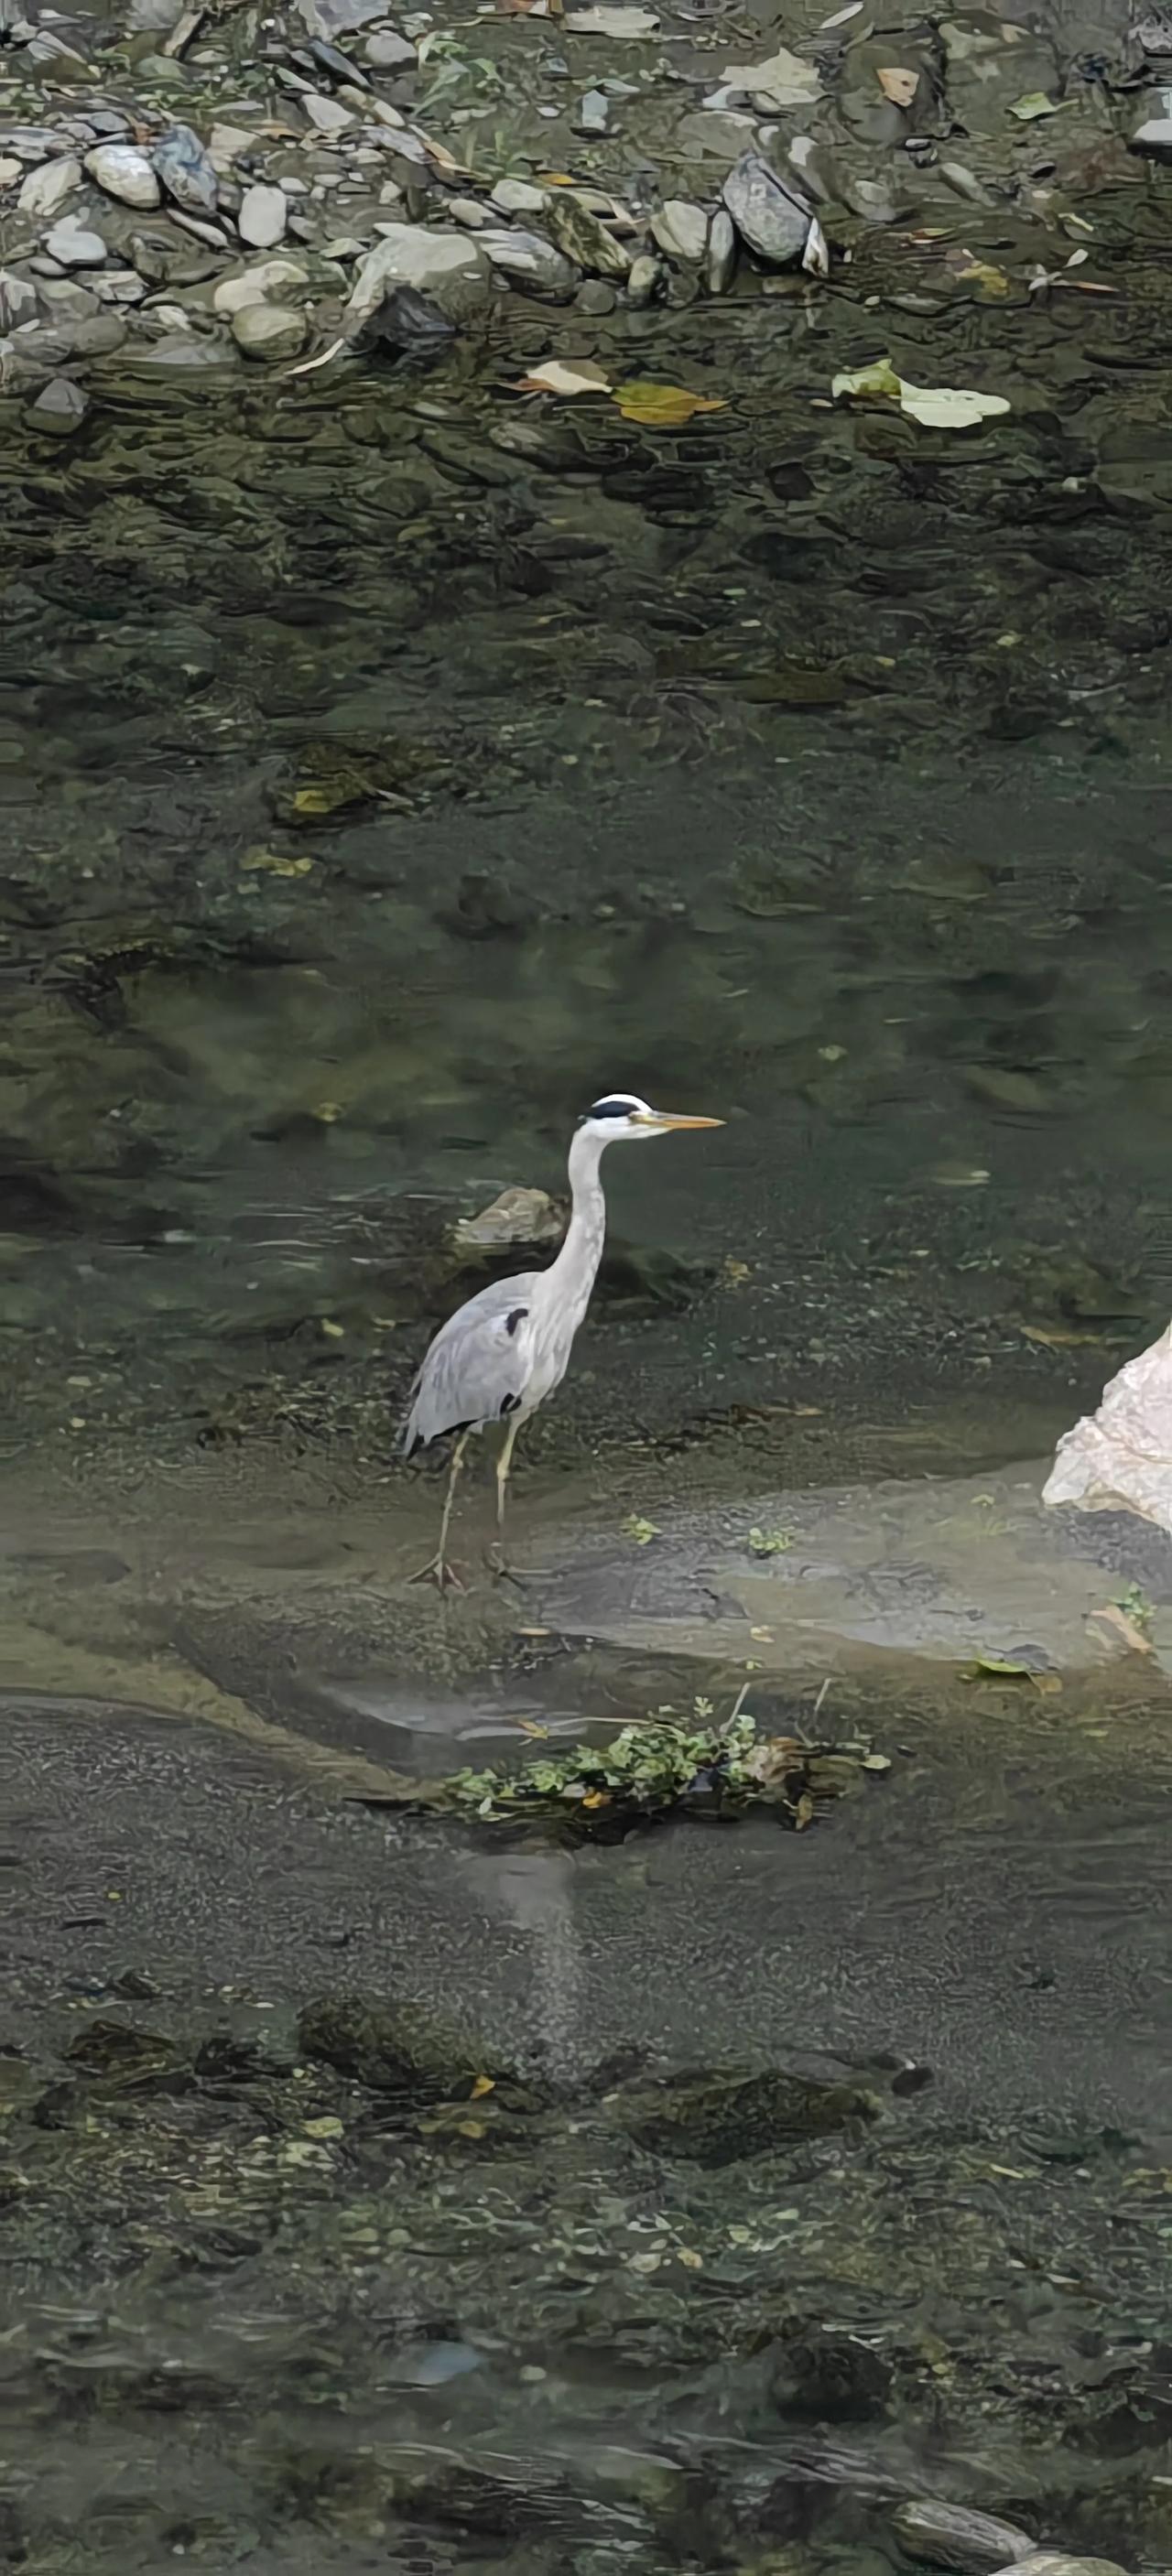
(196, 189)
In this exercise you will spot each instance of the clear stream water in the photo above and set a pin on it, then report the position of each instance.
(383, 769)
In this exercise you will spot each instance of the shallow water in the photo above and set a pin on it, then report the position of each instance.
(385, 768)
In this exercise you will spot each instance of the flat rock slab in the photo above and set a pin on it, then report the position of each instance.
(945, 1571)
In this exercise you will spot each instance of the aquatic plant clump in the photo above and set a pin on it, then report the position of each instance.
(666, 1763)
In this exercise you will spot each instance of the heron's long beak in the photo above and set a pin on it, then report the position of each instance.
(668, 1118)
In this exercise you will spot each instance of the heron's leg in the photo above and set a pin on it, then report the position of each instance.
(437, 1570)
(502, 1471)
(497, 1554)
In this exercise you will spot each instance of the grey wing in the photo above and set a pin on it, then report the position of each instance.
(473, 1371)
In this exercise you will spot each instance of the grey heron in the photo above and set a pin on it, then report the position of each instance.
(499, 1356)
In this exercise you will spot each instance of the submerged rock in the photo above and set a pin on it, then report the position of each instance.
(265, 278)
(583, 238)
(394, 2047)
(60, 407)
(719, 2119)
(836, 2377)
(952, 2535)
(447, 267)
(122, 172)
(518, 1216)
(531, 262)
(269, 330)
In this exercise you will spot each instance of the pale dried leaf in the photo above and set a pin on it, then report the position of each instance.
(898, 85)
(561, 376)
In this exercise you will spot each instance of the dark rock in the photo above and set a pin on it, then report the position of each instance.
(392, 2047)
(185, 171)
(719, 2119)
(60, 407)
(836, 2377)
(406, 320)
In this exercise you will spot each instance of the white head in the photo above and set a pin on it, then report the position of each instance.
(622, 1115)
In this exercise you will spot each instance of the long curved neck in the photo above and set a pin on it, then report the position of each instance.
(569, 1280)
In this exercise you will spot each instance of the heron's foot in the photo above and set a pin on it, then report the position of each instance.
(440, 1571)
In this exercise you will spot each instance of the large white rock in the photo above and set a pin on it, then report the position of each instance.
(1120, 1458)
(445, 266)
(48, 187)
(264, 213)
(124, 173)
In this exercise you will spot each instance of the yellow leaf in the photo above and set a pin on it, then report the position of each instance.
(484, 2084)
(471, 2128)
(275, 864)
(661, 406)
(687, 2255)
(314, 800)
(898, 85)
(530, 1726)
(596, 1798)
(335, 1332)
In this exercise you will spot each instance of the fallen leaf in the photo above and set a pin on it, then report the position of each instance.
(898, 85)
(530, 1726)
(935, 407)
(558, 376)
(484, 2084)
(963, 265)
(596, 1798)
(612, 22)
(641, 1530)
(1000, 1668)
(1114, 1617)
(782, 80)
(803, 1812)
(687, 2255)
(1058, 1338)
(661, 406)
(274, 863)
(471, 2128)
(1035, 104)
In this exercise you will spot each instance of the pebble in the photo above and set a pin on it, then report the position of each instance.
(74, 246)
(124, 173)
(720, 258)
(681, 229)
(532, 262)
(46, 189)
(18, 300)
(463, 210)
(326, 113)
(120, 286)
(269, 331)
(386, 51)
(186, 172)
(592, 114)
(645, 280)
(518, 197)
(445, 266)
(10, 170)
(264, 213)
(265, 278)
(60, 407)
(595, 296)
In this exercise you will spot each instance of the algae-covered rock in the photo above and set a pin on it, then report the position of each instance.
(836, 2377)
(718, 2119)
(395, 2047)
